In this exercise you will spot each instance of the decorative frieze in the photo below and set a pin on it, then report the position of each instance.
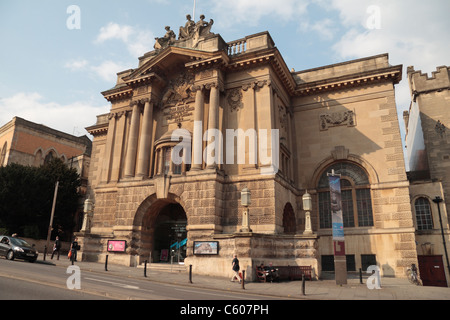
(329, 120)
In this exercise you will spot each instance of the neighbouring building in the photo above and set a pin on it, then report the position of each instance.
(200, 120)
(30, 144)
(428, 152)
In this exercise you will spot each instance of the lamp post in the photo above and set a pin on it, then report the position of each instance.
(307, 206)
(438, 200)
(50, 226)
(246, 201)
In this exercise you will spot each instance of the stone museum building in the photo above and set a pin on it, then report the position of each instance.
(213, 148)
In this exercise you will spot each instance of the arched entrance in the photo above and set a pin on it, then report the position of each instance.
(169, 239)
(161, 234)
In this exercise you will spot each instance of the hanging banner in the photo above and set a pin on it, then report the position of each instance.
(336, 208)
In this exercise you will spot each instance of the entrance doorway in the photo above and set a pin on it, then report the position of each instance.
(170, 235)
(432, 272)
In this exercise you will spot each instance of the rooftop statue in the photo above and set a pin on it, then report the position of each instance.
(191, 31)
(188, 30)
(202, 28)
(168, 39)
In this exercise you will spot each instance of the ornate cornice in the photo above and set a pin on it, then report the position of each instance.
(393, 74)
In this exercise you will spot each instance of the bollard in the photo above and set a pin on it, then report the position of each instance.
(106, 263)
(190, 273)
(243, 279)
(145, 268)
(45, 251)
(303, 285)
(360, 276)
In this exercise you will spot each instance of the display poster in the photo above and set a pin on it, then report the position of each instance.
(117, 245)
(336, 208)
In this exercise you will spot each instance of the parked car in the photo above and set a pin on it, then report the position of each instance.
(16, 248)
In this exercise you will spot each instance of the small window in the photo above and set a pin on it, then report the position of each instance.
(327, 263)
(368, 260)
(423, 214)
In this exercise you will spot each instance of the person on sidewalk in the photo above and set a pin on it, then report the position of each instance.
(235, 268)
(73, 249)
(56, 248)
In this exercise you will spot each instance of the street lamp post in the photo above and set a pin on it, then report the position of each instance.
(307, 206)
(245, 201)
(438, 200)
(50, 226)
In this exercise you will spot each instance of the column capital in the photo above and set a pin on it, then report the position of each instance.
(197, 87)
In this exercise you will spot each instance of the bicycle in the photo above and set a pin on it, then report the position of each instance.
(413, 275)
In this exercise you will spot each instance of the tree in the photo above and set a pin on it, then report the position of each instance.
(26, 197)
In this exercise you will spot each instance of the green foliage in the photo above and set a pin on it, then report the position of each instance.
(26, 198)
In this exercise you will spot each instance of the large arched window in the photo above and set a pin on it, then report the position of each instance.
(3, 154)
(423, 214)
(356, 200)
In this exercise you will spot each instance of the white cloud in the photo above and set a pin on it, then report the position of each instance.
(412, 32)
(324, 28)
(108, 70)
(114, 31)
(105, 71)
(137, 41)
(70, 118)
(76, 65)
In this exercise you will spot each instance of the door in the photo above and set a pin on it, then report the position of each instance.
(432, 272)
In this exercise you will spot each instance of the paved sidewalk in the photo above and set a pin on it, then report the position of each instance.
(325, 289)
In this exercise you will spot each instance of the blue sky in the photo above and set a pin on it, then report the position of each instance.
(53, 75)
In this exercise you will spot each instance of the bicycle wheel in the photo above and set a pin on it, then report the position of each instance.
(410, 277)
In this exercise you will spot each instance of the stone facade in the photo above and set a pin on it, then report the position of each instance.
(428, 147)
(341, 117)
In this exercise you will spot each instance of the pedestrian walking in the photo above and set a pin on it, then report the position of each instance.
(235, 268)
(74, 247)
(56, 248)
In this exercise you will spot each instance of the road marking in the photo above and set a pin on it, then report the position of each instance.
(125, 286)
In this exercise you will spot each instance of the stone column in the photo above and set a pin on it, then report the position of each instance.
(145, 141)
(197, 141)
(107, 160)
(130, 161)
(213, 123)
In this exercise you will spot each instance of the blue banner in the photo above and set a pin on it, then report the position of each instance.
(336, 207)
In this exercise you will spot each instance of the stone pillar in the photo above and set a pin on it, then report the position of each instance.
(213, 123)
(130, 161)
(197, 141)
(145, 141)
(107, 160)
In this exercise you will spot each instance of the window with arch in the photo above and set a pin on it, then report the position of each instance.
(3, 154)
(49, 157)
(355, 196)
(424, 218)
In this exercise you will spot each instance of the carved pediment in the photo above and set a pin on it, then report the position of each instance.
(178, 91)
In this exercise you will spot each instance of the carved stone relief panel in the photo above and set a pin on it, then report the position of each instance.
(345, 118)
(234, 99)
